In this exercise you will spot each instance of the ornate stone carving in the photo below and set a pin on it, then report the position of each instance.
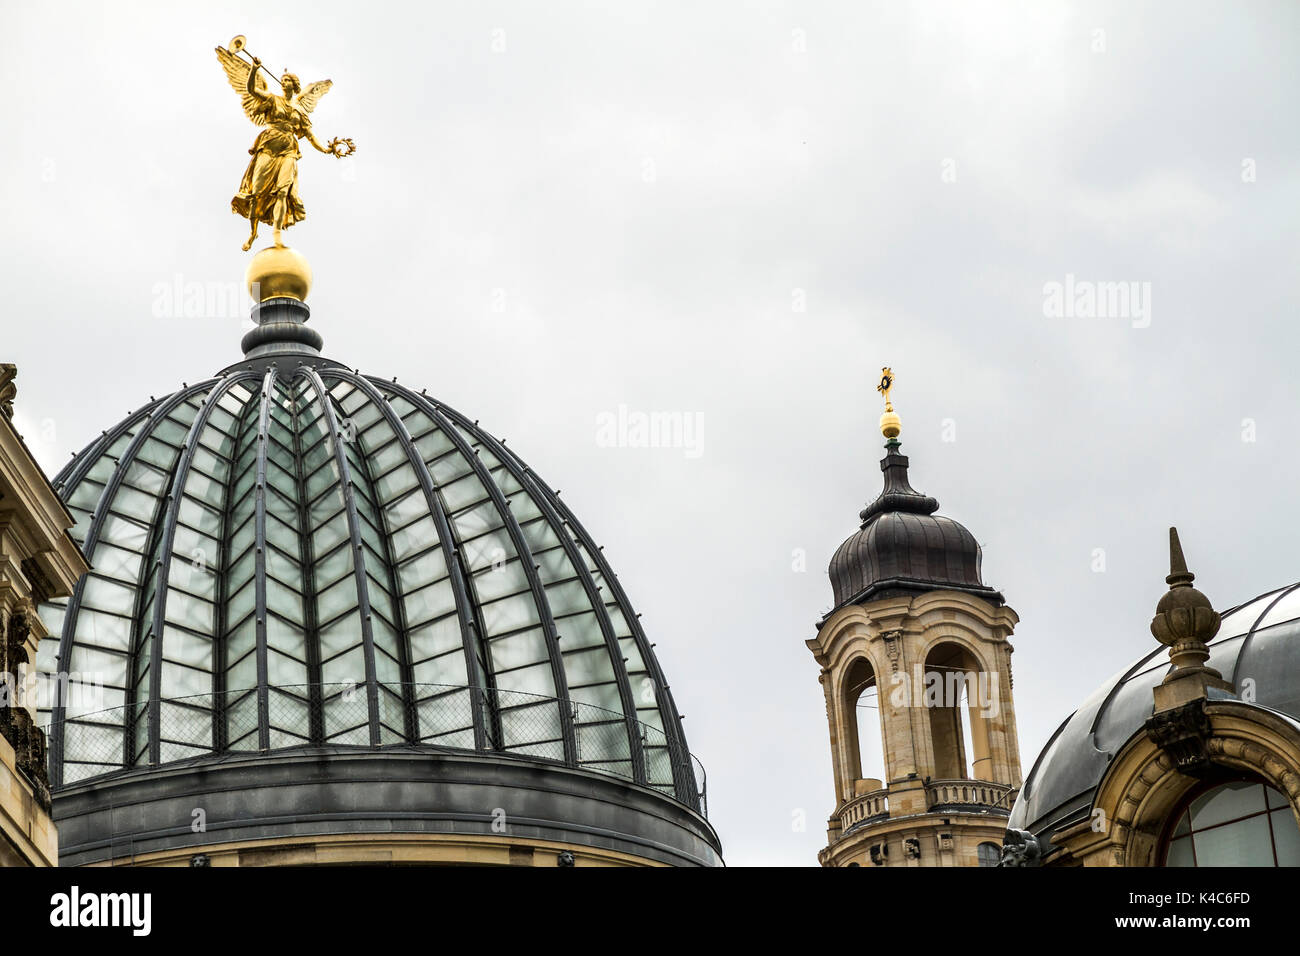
(8, 390)
(16, 723)
(1184, 734)
(893, 647)
(565, 858)
(1020, 848)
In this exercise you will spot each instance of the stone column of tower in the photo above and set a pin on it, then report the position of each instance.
(916, 669)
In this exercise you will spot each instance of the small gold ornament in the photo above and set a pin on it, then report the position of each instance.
(890, 424)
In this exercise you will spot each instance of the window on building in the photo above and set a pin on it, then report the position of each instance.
(1244, 823)
(989, 854)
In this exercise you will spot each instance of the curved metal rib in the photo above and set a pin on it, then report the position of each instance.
(220, 659)
(259, 562)
(306, 554)
(543, 501)
(1245, 641)
(470, 630)
(158, 411)
(530, 571)
(75, 470)
(358, 553)
(683, 775)
(161, 587)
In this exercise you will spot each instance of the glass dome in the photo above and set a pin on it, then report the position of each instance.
(293, 554)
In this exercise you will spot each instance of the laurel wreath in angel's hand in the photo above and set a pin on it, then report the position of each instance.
(341, 147)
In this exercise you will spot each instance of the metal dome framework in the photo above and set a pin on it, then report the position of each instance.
(314, 557)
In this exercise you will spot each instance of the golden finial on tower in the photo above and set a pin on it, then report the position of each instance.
(890, 424)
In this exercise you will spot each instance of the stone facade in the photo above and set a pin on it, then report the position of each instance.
(38, 561)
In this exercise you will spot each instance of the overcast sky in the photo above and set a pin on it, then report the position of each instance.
(739, 213)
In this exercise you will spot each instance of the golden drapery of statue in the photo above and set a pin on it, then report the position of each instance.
(269, 190)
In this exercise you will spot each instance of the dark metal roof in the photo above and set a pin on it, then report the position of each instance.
(266, 540)
(903, 547)
(1258, 640)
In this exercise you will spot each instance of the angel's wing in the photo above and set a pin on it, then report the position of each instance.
(237, 73)
(311, 95)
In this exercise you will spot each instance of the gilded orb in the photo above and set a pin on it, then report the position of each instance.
(890, 424)
(278, 271)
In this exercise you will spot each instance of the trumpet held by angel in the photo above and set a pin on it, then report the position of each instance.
(268, 193)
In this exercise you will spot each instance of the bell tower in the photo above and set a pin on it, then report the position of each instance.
(916, 670)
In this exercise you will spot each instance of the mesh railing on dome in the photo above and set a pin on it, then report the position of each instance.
(439, 716)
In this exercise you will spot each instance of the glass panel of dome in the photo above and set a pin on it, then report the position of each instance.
(132, 502)
(107, 595)
(433, 445)
(340, 636)
(486, 550)
(518, 650)
(241, 603)
(588, 667)
(244, 535)
(242, 674)
(437, 638)
(414, 538)
(391, 455)
(396, 483)
(180, 681)
(107, 665)
(280, 532)
(184, 647)
(500, 580)
(337, 599)
(408, 508)
(604, 697)
(284, 567)
(528, 680)
(102, 629)
(387, 670)
(1287, 608)
(581, 630)
(553, 564)
(241, 570)
(329, 533)
(509, 614)
(123, 533)
(478, 520)
(285, 601)
(421, 570)
(322, 478)
(449, 668)
(1267, 658)
(193, 575)
(1286, 836)
(241, 723)
(201, 517)
(567, 597)
(333, 566)
(285, 671)
(86, 495)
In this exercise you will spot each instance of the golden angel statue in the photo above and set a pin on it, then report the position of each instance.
(269, 190)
